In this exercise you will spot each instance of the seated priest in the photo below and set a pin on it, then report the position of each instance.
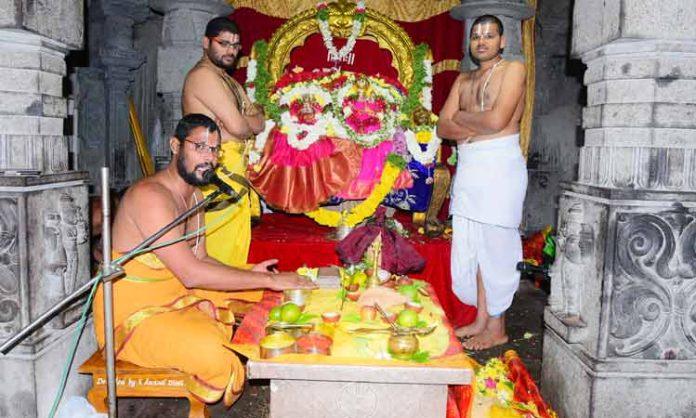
(171, 308)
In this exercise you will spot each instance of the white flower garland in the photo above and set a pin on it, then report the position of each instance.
(251, 79)
(260, 142)
(293, 129)
(327, 36)
(427, 92)
(427, 98)
(423, 157)
(428, 64)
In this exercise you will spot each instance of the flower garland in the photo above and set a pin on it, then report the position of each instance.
(327, 36)
(392, 169)
(251, 77)
(423, 135)
(420, 77)
(427, 92)
(322, 96)
(260, 142)
(312, 132)
(492, 381)
(385, 92)
(259, 83)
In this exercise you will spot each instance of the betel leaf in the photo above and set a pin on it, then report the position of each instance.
(351, 317)
(419, 284)
(420, 356)
(305, 317)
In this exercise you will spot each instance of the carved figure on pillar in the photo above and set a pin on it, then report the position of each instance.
(73, 228)
(63, 232)
(575, 243)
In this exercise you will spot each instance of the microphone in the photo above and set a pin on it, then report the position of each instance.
(216, 181)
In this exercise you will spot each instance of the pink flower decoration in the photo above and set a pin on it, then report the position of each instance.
(490, 383)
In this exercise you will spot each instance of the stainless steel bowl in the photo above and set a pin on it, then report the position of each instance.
(299, 297)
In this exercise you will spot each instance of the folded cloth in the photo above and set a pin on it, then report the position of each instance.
(398, 255)
(490, 182)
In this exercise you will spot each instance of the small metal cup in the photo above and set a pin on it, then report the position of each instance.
(299, 297)
(267, 353)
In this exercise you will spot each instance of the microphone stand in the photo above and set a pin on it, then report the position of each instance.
(110, 271)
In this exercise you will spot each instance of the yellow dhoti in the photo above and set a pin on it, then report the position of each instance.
(160, 323)
(228, 238)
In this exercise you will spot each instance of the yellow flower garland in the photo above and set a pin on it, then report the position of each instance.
(366, 208)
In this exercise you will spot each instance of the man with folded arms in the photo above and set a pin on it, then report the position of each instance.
(482, 113)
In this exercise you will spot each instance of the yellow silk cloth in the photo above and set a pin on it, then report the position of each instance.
(228, 239)
(159, 323)
(369, 349)
(402, 10)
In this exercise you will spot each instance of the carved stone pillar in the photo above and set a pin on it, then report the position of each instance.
(105, 137)
(44, 247)
(620, 336)
(510, 12)
(181, 47)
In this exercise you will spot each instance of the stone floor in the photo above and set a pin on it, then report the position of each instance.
(525, 317)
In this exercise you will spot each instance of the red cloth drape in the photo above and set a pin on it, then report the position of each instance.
(296, 241)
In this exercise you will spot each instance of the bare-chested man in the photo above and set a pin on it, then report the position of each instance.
(210, 90)
(482, 113)
(172, 308)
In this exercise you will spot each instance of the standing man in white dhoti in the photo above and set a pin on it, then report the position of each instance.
(482, 113)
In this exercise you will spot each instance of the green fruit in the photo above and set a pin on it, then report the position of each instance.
(274, 314)
(407, 318)
(360, 278)
(411, 292)
(290, 312)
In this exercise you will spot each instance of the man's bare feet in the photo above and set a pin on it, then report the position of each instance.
(485, 340)
(476, 327)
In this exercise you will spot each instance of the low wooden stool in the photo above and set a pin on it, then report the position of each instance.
(138, 382)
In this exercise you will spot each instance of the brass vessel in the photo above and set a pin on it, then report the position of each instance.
(402, 346)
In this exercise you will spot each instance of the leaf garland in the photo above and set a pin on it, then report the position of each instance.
(412, 99)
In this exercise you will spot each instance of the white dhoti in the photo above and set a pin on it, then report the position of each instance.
(487, 198)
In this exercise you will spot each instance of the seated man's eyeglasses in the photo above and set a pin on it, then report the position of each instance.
(202, 147)
(228, 45)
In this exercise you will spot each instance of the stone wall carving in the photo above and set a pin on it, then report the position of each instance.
(653, 305)
(64, 230)
(575, 241)
(9, 268)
